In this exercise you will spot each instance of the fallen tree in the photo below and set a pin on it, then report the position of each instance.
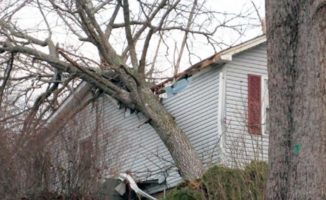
(126, 76)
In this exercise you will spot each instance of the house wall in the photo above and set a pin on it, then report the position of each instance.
(67, 167)
(241, 147)
(131, 145)
(212, 110)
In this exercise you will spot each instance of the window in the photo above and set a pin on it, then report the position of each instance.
(258, 104)
(254, 104)
(86, 152)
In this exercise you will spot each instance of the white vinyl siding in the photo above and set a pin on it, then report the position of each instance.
(134, 146)
(240, 146)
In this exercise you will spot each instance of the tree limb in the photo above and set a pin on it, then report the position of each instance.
(6, 76)
(131, 42)
(89, 77)
(184, 40)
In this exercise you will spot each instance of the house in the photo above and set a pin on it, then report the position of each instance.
(221, 103)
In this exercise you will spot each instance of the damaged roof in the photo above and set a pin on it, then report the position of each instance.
(218, 58)
(221, 57)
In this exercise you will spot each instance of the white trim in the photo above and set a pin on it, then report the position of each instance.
(221, 57)
(244, 46)
(226, 57)
(221, 113)
(264, 103)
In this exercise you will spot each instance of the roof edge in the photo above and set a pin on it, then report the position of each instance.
(221, 57)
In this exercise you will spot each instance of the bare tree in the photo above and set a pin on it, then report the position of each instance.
(124, 39)
(296, 32)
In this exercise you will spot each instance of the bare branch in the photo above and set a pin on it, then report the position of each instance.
(130, 40)
(15, 32)
(184, 40)
(75, 69)
(45, 20)
(109, 27)
(6, 76)
(142, 63)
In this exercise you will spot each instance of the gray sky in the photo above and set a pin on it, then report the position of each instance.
(31, 18)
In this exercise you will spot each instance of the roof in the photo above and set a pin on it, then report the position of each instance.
(218, 58)
(221, 57)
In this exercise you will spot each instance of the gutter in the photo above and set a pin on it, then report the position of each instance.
(133, 186)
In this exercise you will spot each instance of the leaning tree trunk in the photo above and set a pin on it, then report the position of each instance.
(296, 32)
(184, 155)
(138, 95)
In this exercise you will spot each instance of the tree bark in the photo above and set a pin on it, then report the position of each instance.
(131, 89)
(296, 32)
(184, 155)
(140, 97)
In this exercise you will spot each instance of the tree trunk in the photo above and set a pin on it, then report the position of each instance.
(185, 157)
(296, 32)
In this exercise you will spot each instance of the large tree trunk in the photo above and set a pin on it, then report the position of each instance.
(144, 100)
(125, 83)
(296, 32)
(185, 157)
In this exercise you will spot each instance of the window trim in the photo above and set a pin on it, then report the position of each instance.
(264, 103)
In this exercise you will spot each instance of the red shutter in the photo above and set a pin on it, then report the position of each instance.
(254, 104)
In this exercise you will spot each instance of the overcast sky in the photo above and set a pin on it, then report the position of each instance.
(30, 18)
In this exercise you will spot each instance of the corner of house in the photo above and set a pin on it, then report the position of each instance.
(221, 113)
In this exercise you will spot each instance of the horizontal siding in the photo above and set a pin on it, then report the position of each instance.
(131, 145)
(196, 111)
(240, 146)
